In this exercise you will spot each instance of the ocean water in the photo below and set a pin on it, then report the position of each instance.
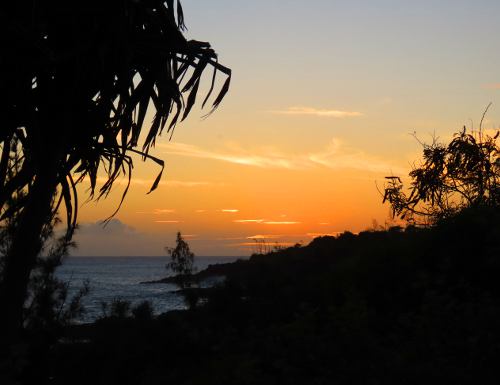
(119, 278)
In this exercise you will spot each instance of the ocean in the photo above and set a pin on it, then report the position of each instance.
(119, 278)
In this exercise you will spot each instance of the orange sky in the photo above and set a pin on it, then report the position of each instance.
(324, 98)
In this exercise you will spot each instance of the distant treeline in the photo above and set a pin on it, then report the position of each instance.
(399, 306)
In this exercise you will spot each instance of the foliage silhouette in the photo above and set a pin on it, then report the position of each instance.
(182, 264)
(262, 246)
(46, 308)
(377, 307)
(143, 311)
(119, 308)
(463, 174)
(80, 78)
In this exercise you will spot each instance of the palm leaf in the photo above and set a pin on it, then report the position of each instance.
(82, 59)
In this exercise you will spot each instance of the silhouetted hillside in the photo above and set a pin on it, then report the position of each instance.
(387, 307)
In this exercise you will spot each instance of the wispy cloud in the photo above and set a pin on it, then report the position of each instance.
(329, 113)
(157, 211)
(324, 223)
(149, 182)
(281, 223)
(339, 156)
(336, 155)
(167, 221)
(200, 211)
(163, 211)
(229, 210)
(266, 221)
(249, 220)
(240, 157)
(264, 236)
(491, 86)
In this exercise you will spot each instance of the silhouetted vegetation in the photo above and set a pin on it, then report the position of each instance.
(48, 308)
(463, 174)
(404, 305)
(413, 306)
(143, 311)
(79, 79)
(181, 263)
(263, 246)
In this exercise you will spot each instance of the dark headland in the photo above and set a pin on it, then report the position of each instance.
(409, 306)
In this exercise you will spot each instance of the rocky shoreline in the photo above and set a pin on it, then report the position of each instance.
(212, 271)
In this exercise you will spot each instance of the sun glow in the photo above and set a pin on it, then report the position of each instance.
(300, 148)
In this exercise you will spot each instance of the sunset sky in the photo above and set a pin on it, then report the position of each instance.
(324, 98)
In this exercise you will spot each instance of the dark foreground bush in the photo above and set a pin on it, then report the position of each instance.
(394, 307)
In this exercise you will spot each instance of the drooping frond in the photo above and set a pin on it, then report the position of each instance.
(462, 174)
(79, 79)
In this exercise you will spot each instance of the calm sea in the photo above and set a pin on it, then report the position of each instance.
(119, 278)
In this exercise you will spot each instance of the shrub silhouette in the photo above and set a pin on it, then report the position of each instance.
(143, 311)
(462, 174)
(47, 307)
(120, 308)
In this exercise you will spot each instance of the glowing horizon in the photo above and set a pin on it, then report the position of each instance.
(324, 101)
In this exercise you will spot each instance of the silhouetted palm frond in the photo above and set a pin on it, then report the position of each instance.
(78, 79)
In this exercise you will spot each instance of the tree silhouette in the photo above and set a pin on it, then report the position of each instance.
(47, 307)
(182, 264)
(463, 174)
(78, 79)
